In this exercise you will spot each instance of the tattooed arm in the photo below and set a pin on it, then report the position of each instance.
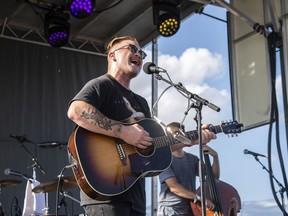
(88, 117)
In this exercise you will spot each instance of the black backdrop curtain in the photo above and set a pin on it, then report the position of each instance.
(36, 84)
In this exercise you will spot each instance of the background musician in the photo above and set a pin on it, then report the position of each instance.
(178, 182)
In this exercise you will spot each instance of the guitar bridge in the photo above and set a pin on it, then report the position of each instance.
(121, 154)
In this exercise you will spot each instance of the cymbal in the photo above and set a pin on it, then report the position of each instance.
(51, 186)
(9, 182)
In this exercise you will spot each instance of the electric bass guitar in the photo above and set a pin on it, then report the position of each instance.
(105, 166)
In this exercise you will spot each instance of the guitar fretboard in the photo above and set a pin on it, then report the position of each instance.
(168, 140)
(227, 128)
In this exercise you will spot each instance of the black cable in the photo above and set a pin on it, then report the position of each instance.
(59, 184)
(274, 114)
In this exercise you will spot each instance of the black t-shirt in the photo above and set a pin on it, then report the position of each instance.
(117, 103)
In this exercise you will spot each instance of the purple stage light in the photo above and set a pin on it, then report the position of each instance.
(57, 28)
(81, 8)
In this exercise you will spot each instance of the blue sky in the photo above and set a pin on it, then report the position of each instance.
(197, 56)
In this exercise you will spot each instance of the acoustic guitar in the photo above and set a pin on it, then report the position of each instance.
(106, 166)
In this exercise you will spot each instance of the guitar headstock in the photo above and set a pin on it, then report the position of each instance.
(232, 127)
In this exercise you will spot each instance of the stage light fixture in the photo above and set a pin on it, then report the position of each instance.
(81, 8)
(57, 28)
(166, 16)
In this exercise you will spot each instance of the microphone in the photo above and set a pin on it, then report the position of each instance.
(151, 68)
(246, 151)
(179, 135)
(51, 144)
(15, 173)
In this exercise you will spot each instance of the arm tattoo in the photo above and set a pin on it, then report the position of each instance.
(99, 119)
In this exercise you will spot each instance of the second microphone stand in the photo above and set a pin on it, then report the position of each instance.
(198, 118)
(282, 188)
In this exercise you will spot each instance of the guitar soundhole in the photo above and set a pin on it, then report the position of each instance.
(145, 152)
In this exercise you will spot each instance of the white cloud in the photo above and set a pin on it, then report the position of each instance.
(195, 64)
(261, 208)
(194, 69)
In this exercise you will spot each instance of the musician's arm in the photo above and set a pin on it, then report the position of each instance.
(183, 192)
(207, 135)
(88, 117)
(179, 189)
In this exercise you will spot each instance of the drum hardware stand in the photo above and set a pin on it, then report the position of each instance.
(60, 191)
(65, 194)
(63, 201)
(46, 208)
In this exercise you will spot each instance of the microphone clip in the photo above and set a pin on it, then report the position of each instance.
(178, 136)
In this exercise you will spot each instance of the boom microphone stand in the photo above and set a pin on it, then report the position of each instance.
(197, 103)
(22, 140)
(282, 188)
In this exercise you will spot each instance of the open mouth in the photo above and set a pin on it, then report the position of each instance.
(135, 61)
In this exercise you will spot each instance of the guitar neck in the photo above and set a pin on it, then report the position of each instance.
(192, 135)
(169, 140)
(228, 128)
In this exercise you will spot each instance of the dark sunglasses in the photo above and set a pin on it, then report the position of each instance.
(133, 49)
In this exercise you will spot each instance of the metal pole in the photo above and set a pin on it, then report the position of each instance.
(154, 180)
